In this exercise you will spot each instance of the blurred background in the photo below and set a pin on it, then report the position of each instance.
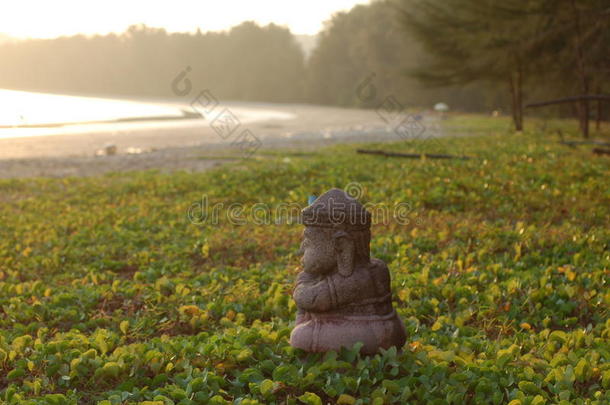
(146, 61)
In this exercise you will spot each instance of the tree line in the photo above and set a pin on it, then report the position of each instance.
(248, 62)
(475, 55)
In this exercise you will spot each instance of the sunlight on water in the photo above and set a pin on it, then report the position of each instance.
(20, 108)
(26, 114)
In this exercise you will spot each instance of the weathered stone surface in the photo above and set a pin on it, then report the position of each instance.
(343, 295)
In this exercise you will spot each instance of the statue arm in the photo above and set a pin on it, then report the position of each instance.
(366, 282)
(313, 294)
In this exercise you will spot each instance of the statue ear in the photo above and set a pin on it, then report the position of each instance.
(345, 249)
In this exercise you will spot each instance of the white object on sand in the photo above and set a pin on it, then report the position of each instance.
(441, 107)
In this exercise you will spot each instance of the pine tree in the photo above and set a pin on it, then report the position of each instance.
(472, 40)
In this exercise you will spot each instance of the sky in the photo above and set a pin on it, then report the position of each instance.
(53, 18)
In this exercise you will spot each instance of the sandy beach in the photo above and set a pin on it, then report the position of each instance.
(183, 144)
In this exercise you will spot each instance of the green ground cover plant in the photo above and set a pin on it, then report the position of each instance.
(109, 294)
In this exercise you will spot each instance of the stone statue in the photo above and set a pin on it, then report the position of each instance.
(342, 295)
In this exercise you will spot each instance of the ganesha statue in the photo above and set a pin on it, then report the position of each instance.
(343, 295)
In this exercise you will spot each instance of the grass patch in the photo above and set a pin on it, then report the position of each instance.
(109, 294)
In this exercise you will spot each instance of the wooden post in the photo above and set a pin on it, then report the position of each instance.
(598, 116)
(516, 104)
(519, 99)
(583, 106)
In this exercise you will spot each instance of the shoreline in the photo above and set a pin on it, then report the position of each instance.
(182, 144)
